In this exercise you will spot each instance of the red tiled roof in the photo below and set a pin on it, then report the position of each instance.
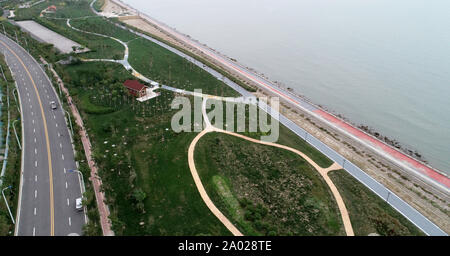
(134, 85)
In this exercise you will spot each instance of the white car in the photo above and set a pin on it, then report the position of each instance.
(53, 105)
(79, 204)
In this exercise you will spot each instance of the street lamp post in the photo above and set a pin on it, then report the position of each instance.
(70, 121)
(82, 179)
(15, 132)
(60, 90)
(6, 201)
(15, 99)
(50, 67)
(3, 74)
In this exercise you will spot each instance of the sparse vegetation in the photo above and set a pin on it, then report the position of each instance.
(98, 5)
(278, 193)
(369, 213)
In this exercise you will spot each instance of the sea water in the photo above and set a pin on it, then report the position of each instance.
(381, 63)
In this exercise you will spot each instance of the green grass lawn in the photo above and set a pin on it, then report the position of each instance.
(266, 190)
(285, 136)
(102, 26)
(154, 162)
(72, 9)
(369, 213)
(30, 13)
(65, 9)
(161, 65)
(290, 139)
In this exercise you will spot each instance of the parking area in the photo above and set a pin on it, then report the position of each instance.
(44, 34)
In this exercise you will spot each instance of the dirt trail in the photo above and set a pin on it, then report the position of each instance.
(323, 172)
(202, 190)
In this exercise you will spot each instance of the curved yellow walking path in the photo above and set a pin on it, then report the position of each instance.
(202, 190)
(323, 172)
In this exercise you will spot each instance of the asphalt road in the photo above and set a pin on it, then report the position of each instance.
(48, 190)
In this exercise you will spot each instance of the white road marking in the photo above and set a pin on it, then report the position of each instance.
(35, 163)
(34, 231)
(34, 130)
(32, 121)
(35, 151)
(66, 185)
(70, 222)
(60, 145)
(67, 201)
(65, 171)
(34, 211)
(32, 113)
(62, 156)
(34, 140)
(35, 178)
(35, 194)
(59, 135)
(56, 124)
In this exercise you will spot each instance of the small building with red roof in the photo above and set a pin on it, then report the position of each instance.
(51, 8)
(135, 88)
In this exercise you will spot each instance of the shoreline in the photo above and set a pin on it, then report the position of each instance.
(328, 116)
